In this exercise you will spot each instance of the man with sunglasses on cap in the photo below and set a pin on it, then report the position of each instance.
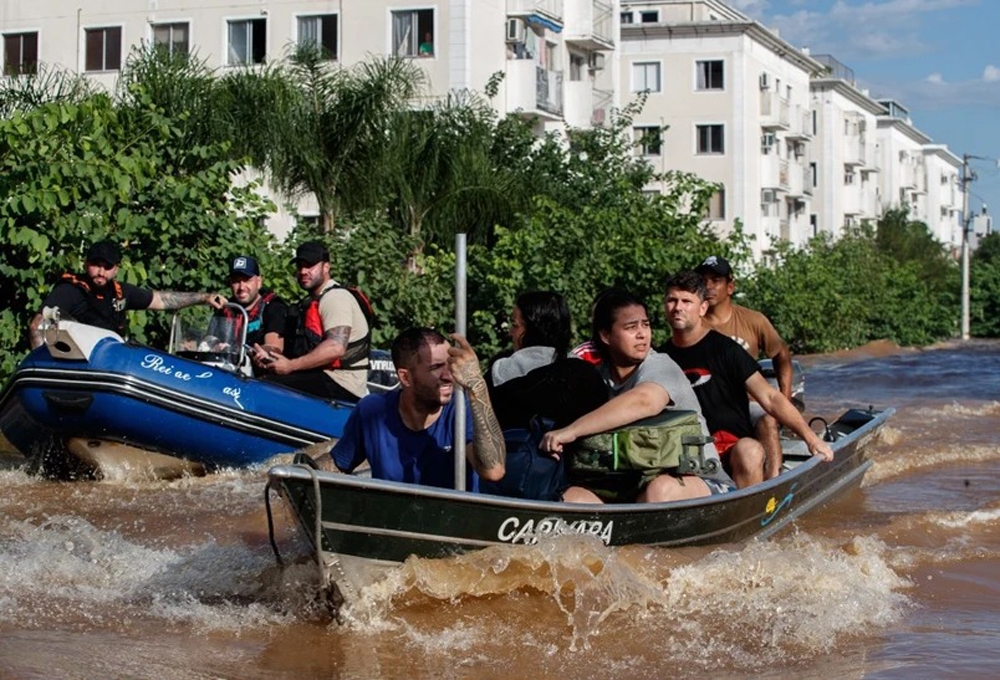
(754, 333)
(97, 299)
(266, 312)
(328, 355)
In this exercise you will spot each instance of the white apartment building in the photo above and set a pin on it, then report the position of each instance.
(795, 147)
(844, 165)
(944, 194)
(729, 101)
(552, 52)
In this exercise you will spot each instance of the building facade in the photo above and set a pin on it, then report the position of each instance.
(845, 167)
(729, 101)
(552, 53)
(794, 146)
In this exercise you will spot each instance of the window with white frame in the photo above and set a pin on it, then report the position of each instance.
(20, 53)
(650, 16)
(174, 38)
(648, 139)
(849, 176)
(646, 76)
(711, 139)
(716, 209)
(247, 41)
(103, 49)
(413, 33)
(814, 174)
(627, 18)
(319, 30)
(710, 75)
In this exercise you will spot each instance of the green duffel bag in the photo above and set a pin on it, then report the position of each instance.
(671, 441)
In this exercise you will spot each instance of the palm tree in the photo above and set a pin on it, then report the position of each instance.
(442, 174)
(314, 127)
(48, 84)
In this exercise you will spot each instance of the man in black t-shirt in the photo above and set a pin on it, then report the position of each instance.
(722, 374)
(96, 299)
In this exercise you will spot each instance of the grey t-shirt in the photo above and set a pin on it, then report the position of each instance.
(662, 370)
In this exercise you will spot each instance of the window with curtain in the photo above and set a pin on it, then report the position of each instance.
(103, 49)
(413, 33)
(646, 76)
(320, 30)
(172, 37)
(20, 53)
(247, 41)
(710, 75)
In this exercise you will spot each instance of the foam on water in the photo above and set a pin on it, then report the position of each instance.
(914, 459)
(65, 569)
(782, 600)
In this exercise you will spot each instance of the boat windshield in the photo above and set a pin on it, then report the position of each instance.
(209, 337)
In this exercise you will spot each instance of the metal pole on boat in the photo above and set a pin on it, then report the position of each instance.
(460, 316)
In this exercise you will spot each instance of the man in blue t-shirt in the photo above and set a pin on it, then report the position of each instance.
(408, 435)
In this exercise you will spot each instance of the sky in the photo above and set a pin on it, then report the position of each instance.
(938, 58)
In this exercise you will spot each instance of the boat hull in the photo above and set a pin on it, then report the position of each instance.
(385, 522)
(108, 390)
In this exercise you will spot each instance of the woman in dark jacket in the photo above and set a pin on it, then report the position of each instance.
(540, 378)
(537, 387)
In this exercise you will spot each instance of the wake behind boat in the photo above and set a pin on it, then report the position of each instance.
(88, 401)
(359, 527)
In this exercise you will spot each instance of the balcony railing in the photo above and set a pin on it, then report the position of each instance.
(549, 90)
(774, 110)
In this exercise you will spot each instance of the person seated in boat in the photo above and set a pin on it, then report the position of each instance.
(408, 434)
(266, 312)
(641, 383)
(540, 385)
(722, 374)
(541, 378)
(95, 298)
(328, 354)
(755, 333)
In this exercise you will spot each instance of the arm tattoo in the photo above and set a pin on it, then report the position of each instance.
(340, 335)
(175, 300)
(487, 437)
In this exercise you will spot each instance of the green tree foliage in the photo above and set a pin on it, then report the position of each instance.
(442, 175)
(72, 173)
(318, 128)
(837, 294)
(984, 285)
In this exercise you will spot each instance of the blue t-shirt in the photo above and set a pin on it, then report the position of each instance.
(375, 431)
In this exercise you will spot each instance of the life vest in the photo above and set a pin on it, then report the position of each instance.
(103, 310)
(255, 317)
(309, 331)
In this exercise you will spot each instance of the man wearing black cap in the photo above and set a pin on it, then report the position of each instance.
(95, 298)
(266, 312)
(755, 333)
(328, 356)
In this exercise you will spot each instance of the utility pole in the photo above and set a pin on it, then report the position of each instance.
(967, 178)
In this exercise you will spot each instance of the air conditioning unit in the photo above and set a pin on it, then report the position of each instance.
(515, 31)
(768, 196)
(765, 81)
(597, 61)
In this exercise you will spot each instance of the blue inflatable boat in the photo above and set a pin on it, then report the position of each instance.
(86, 397)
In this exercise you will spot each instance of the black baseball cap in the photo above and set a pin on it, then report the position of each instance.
(311, 252)
(244, 265)
(715, 265)
(106, 252)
